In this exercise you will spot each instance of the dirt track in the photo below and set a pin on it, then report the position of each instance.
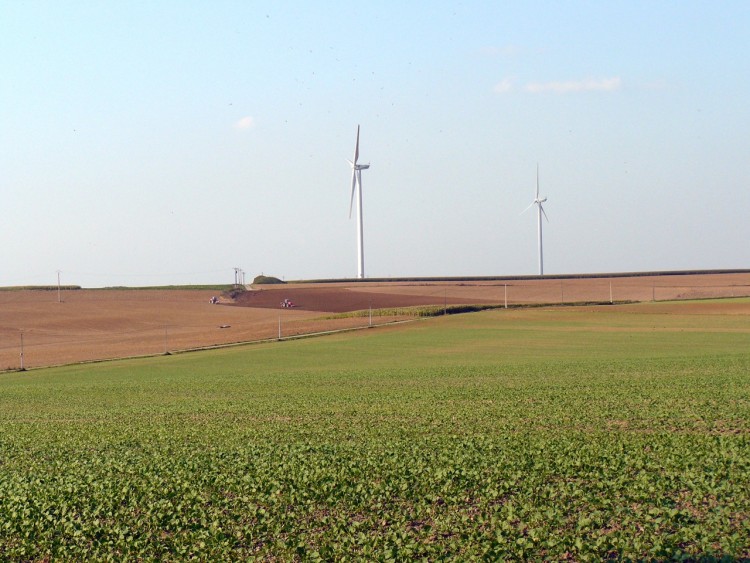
(100, 324)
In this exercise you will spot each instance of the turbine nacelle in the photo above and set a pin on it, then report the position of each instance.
(356, 166)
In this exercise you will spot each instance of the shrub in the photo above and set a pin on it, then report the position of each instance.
(261, 279)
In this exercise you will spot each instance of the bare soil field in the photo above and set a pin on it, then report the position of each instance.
(95, 324)
(340, 297)
(101, 324)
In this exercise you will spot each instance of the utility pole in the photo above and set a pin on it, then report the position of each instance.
(22, 368)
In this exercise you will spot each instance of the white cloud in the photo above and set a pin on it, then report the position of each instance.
(504, 86)
(587, 85)
(245, 123)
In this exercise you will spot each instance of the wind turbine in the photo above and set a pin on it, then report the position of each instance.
(540, 211)
(357, 186)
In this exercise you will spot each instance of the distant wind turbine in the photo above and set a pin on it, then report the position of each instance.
(357, 186)
(540, 211)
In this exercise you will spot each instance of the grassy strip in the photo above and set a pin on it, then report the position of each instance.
(215, 287)
(440, 310)
(416, 311)
(40, 288)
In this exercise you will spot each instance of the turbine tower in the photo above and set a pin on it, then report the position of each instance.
(540, 211)
(357, 186)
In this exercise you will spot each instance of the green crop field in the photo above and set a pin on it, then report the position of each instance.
(554, 434)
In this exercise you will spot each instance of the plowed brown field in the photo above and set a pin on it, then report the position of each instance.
(100, 324)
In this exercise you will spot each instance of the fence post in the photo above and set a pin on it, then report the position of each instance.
(22, 367)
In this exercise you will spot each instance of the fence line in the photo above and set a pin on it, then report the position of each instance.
(44, 347)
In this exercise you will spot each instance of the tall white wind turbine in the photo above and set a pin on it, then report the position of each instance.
(357, 186)
(540, 211)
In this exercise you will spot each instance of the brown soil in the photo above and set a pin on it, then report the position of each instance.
(361, 295)
(344, 299)
(100, 324)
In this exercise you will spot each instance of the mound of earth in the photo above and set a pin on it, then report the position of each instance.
(267, 280)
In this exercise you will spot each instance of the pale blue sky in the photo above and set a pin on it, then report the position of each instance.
(167, 142)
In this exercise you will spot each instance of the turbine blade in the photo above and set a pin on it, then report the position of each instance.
(537, 180)
(356, 147)
(543, 212)
(529, 207)
(354, 184)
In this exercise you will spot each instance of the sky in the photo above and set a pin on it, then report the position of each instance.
(167, 142)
